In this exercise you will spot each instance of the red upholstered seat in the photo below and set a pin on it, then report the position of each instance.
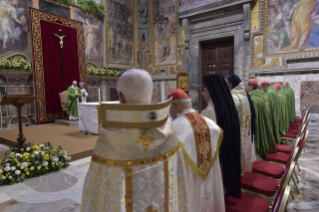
(297, 121)
(284, 148)
(247, 203)
(290, 135)
(268, 169)
(295, 131)
(294, 127)
(259, 184)
(278, 157)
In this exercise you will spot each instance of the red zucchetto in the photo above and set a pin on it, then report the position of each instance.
(177, 94)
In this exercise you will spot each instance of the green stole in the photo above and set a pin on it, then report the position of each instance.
(264, 138)
(274, 108)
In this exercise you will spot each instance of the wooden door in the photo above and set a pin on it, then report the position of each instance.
(217, 58)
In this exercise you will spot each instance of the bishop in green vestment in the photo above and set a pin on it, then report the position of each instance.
(283, 110)
(264, 138)
(291, 94)
(74, 96)
(274, 108)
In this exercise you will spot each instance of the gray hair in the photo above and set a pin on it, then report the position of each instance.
(182, 102)
(276, 87)
(81, 83)
(136, 86)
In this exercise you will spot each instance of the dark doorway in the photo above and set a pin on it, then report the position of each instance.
(217, 58)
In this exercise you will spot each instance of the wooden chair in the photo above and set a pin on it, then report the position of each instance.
(64, 105)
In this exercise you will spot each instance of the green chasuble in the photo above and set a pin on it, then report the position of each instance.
(264, 138)
(274, 108)
(285, 92)
(283, 114)
(72, 103)
(291, 103)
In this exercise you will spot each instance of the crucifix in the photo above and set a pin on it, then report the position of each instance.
(61, 37)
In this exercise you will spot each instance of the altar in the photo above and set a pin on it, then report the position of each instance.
(89, 116)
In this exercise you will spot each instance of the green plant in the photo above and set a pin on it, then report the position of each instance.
(91, 6)
(15, 65)
(33, 161)
(103, 72)
(65, 2)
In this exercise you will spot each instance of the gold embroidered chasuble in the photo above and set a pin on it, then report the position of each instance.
(137, 164)
(200, 140)
(248, 152)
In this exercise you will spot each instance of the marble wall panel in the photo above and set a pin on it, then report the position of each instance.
(309, 95)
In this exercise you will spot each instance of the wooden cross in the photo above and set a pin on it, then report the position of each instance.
(61, 37)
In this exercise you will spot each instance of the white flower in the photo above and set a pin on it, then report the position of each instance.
(65, 152)
(25, 164)
(66, 157)
(36, 162)
(7, 168)
(53, 163)
(41, 145)
(69, 157)
(8, 160)
(13, 168)
(28, 149)
(1, 171)
(17, 172)
(45, 163)
(10, 177)
(55, 159)
(36, 152)
(3, 177)
(42, 153)
(61, 164)
(21, 167)
(20, 155)
(17, 154)
(7, 164)
(32, 156)
(39, 167)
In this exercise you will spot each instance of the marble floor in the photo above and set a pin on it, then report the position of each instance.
(62, 191)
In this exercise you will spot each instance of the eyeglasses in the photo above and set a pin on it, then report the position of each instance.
(205, 89)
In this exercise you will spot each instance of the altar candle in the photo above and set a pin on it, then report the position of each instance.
(99, 94)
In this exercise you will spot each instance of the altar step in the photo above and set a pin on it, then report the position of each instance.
(66, 122)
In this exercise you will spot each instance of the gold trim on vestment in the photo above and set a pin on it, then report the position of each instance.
(194, 166)
(242, 111)
(143, 125)
(166, 184)
(129, 189)
(130, 163)
(135, 107)
(241, 93)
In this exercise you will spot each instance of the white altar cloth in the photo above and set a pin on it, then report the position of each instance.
(89, 116)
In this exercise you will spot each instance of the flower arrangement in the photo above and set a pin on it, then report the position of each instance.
(33, 161)
(105, 72)
(20, 64)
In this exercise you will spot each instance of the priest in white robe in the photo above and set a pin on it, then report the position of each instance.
(209, 111)
(137, 164)
(84, 93)
(238, 92)
(201, 139)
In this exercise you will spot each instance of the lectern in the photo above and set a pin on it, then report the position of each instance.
(18, 101)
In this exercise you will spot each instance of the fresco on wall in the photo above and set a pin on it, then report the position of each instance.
(165, 38)
(120, 32)
(293, 26)
(93, 35)
(14, 25)
(309, 94)
(190, 4)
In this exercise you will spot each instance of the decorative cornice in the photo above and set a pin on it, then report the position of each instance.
(286, 71)
(211, 7)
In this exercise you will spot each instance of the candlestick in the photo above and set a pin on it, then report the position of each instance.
(99, 94)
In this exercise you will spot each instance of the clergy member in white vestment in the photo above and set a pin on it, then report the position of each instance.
(209, 111)
(137, 164)
(238, 92)
(201, 139)
(84, 93)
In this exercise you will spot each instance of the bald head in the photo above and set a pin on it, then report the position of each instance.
(135, 86)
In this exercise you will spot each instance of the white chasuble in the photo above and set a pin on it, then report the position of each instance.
(248, 152)
(200, 140)
(137, 164)
(209, 112)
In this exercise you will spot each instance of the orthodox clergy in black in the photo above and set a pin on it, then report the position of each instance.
(228, 121)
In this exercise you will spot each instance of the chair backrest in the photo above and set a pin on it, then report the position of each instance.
(293, 153)
(283, 184)
(64, 100)
(280, 204)
(301, 144)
